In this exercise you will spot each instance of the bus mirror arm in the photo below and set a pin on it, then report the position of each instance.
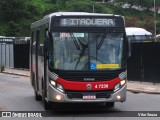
(47, 41)
(128, 47)
(46, 49)
(46, 44)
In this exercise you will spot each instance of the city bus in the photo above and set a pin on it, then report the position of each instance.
(78, 57)
(138, 35)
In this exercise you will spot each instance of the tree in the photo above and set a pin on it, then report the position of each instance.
(148, 23)
(53, 1)
(131, 22)
(17, 9)
(18, 14)
(14, 9)
(84, 6)
(80, 6)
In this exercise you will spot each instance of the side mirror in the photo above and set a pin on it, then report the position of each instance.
(46, 44)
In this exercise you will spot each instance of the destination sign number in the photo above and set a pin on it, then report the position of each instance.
(87, 22)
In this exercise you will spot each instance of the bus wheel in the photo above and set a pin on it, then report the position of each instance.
(47, 105)
(37, 97)
(110, 104)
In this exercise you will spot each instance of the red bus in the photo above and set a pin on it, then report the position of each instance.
(78, 57)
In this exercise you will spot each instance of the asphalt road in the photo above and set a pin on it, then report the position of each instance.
(16, 94)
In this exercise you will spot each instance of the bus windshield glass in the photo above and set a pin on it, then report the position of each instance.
(86, 51)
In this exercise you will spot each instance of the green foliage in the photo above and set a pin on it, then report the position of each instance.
(84, 6)
(11, 12)
(80, 6)
(17, 15)
(17, 29)
(20, 15)
(51, 10)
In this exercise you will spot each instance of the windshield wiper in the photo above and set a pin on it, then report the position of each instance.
(82, 52)
(74, 40)
(102, 39)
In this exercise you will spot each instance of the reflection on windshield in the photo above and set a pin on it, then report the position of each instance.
(79, 51)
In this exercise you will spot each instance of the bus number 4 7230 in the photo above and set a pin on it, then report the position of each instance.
(100, 86)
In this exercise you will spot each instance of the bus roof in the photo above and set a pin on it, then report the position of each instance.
(77, 14)
(136, 31)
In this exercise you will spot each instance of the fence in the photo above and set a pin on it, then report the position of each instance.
(21, 56)
(6, 52)
(6, 55)
(14, 53)
(144, 63)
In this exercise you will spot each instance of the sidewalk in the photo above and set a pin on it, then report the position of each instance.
(132, 86)
(20, 72)
(143, 87)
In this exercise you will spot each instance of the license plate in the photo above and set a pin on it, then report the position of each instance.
(89, 97)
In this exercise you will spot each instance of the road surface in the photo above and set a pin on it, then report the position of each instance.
(16, 94)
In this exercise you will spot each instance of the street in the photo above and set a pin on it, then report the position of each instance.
(16, 94)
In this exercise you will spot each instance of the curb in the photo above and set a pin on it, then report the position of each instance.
(21, 74)
(136, 91)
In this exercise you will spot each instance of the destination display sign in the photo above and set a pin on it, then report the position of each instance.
(87, 22)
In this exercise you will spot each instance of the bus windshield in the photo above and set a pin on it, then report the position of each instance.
(86, 51)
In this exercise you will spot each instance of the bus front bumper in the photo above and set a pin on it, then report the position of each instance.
(56, 96)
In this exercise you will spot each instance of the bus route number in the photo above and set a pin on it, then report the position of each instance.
(101, 86)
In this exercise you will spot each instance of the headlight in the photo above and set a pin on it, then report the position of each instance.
(60, 88)
(122, 82)
(119, 85)
(57, 86)
(53, 83)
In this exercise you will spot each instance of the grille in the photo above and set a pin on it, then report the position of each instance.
(81, 75)
(79, 95)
